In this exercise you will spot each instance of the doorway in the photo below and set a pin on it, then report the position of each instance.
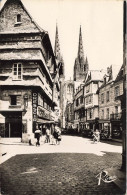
(13, 126)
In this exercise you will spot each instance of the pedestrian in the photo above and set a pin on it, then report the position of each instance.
(47, 134)
(37, 135)
(43, 138)
(96, 136)
(29, 138)
(57, 135)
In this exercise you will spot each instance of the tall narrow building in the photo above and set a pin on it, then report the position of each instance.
(26, 85)
(60, 71)
(81, 63)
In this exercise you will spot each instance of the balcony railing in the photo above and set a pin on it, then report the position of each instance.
(115, 116)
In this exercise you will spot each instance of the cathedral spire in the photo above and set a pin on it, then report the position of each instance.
(80, 46)
(57, 44)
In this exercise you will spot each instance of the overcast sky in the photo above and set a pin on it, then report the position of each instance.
(102, 29)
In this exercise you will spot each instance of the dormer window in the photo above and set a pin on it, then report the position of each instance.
(18, 18)
(104, 80)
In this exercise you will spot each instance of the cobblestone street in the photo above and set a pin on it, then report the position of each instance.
(69, 168)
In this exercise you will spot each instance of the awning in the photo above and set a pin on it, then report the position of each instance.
(42, 121)
(104, 121)
(91, 121)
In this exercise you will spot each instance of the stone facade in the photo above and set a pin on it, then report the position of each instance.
(92, 83)
(79, 109)
(27, 73)
(14, 24)
(110, 105)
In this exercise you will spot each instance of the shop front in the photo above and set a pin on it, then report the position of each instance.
(116, 129)
(105, 126)
(41, 112)
(91, 124)
(13, 124)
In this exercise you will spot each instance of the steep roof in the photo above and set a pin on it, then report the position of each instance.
(115, 71)
(19, 4)
(119, 75)
(110, 75)
(94, 75)
(8, 14)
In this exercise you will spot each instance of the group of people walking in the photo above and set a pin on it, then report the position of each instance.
(53, 137)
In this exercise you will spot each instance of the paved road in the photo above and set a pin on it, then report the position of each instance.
(68, 168)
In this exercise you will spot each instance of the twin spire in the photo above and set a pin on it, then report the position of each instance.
(83, 63)
(57, 45)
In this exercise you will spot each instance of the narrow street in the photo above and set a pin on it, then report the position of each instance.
(68, 168)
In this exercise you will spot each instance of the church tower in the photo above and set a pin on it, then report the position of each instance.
(81, 64)
(61, 75)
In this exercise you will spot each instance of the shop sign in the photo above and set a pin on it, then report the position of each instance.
(35, 101)
(43, 113)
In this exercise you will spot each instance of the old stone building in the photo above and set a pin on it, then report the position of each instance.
(109, 104)
(86, 101)
(27, 73)
(92, 83)
(79, 109)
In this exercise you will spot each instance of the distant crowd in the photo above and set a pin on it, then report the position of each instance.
(48, 136)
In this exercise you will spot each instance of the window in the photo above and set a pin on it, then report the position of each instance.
(102, 98)
(116, 109)
(86, 100)
(77, 102)
(105, 80)
(117, 91)
(107, 96)
(90, 99)
(81, 99)
(102, 115)
(91, 114)
(17, 71)
(107, 113)
(68, 89)
(87, 88)
(18, 18)
(13, 99)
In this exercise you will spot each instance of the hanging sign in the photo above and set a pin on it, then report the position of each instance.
(34, 102)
